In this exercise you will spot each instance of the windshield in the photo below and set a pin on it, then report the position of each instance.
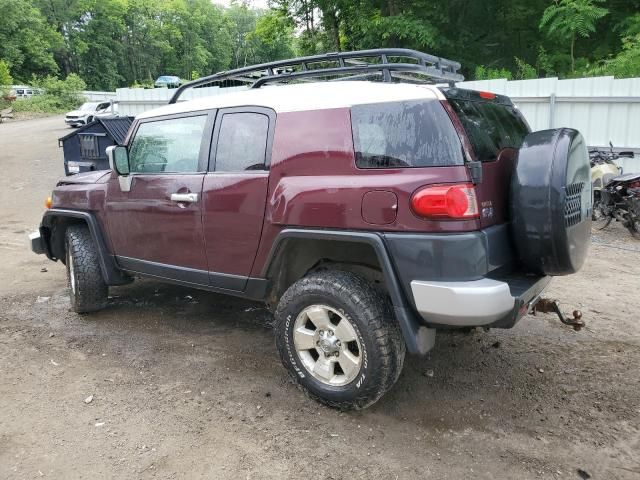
(490, 126)
(88, 107)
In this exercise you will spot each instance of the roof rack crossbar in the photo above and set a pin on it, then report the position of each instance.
(436, 68)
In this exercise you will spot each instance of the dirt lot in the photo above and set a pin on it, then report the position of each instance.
(187, 384)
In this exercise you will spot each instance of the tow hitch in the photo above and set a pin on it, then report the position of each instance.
(546, 305)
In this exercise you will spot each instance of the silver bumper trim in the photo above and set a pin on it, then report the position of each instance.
(463, 304)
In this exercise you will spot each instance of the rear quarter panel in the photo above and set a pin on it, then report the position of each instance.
(314, 181)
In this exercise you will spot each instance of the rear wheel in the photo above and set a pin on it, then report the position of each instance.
(337, 339)
(600, 219)
(88, 291)
(634, 227)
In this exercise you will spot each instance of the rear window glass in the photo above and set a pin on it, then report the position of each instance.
(490, 126)
(404, 134)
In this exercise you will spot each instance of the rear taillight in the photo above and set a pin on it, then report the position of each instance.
(446, 201)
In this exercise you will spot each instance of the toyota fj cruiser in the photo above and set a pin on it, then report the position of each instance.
(366, 214)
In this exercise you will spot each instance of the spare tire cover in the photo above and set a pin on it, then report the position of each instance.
(551, 202)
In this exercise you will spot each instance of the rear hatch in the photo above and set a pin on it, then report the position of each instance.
(495, 129)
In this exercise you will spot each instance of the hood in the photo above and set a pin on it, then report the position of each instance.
(84, 178)
(77, 113)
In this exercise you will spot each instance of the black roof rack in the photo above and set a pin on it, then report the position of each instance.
(389, 63)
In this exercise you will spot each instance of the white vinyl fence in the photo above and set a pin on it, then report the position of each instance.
(93, 96)
(132, 101)
(602, 108)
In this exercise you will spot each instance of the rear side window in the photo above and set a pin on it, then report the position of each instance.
(242, 144)
(404, 134)
(490, 126)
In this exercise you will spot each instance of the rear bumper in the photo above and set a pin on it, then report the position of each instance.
(495, 302)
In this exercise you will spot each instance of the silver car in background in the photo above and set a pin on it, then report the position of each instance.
(87, 112)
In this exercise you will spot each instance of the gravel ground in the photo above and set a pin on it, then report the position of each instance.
(187, 384)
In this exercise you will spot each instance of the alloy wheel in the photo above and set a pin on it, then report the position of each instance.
(328, 345)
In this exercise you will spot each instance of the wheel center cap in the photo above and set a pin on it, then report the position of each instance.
(328, 344)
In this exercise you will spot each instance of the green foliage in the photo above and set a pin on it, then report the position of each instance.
(273, 34)
(5, 75)
(569, 17)
(58, 95)
(114, 43)
(27, 42)
(486, 73)
(624, 65)
(544, 63)
(566, 19)
(5, 83)
(524, 71)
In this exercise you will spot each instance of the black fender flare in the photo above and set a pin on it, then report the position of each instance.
(418, 338)
(108, 266)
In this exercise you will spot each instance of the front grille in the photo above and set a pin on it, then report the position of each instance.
(573, 204)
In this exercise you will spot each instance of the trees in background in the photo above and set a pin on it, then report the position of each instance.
(501, 37)
(568, 19)
(27, 41)
(114, 43)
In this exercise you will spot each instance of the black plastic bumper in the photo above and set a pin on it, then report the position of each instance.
(38, 245)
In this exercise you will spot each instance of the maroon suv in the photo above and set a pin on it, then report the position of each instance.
(366, 214)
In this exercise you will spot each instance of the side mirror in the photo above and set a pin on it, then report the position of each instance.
(118, 159)
(119, 163)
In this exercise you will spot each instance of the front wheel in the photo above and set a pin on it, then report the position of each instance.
(337, 339)
(88, 290)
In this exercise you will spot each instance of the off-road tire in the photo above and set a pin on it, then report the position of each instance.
(377, 331)
(87, 288)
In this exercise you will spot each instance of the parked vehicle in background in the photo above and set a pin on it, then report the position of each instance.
(167, 81)
(367, 215)
(24, 91)
(603, 169)
(88, 111)
(611, 200)
(616, 197)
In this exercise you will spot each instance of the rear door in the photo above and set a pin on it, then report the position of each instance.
(495, 129)
(234, 193)
(156, 227)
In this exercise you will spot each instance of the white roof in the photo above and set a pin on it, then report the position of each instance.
(306, 96)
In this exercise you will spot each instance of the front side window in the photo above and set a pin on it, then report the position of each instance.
(242, 144)
(404, 134)
(168, 146)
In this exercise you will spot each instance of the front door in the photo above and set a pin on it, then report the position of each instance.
(235, 193)
(156, 227)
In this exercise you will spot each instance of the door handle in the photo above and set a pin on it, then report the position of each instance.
(184, 197)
